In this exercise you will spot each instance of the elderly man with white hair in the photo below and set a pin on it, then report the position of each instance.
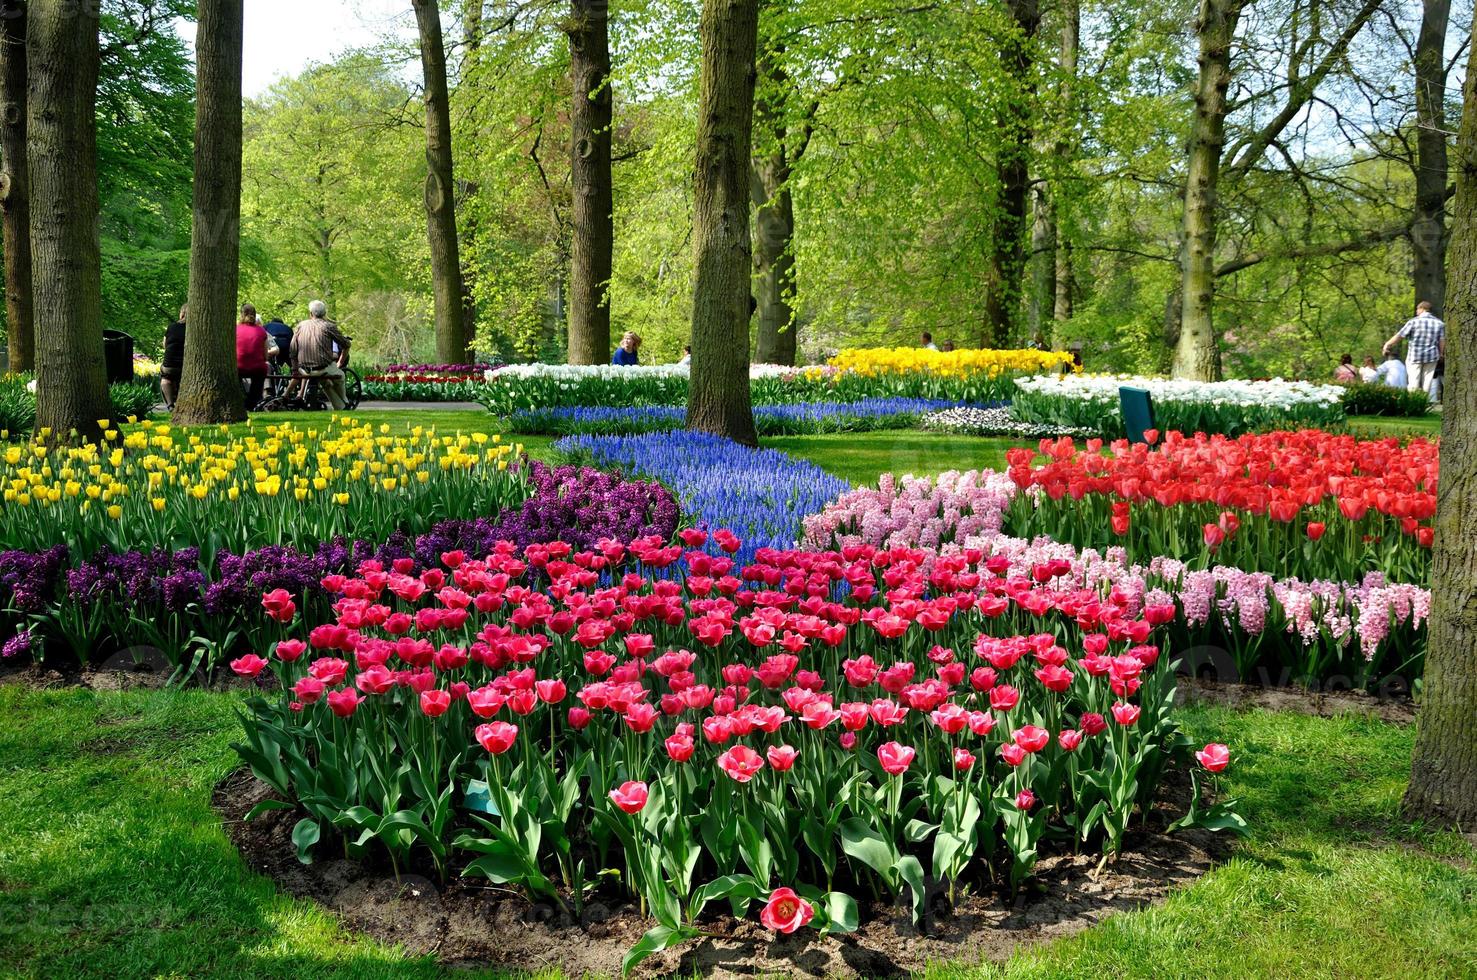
(320, 351)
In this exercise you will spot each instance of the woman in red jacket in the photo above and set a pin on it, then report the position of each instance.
(251, 355)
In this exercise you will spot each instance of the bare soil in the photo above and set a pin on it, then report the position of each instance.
(471, 923)
(1398, 710)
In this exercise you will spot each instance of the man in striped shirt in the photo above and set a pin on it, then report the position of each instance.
(1426, 337)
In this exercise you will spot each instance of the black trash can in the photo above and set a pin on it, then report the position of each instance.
(118, 355)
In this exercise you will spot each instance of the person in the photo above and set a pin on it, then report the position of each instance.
(281, 335)
(1392, 372)
(625, 355)
(173, 360)
(1346, 372)
(1426, 336)
(948, 347)
(251, 355)
(686, 354)
(1368, 372)
(320, 351)
(928, 343)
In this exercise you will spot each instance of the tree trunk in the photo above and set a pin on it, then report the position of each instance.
(1006, 263)
(1066, 150)
(21, 339)
(1043, 265)
(1428, 232)
(210, 390)
(1195, 351)
(61, 97)
(446, 270)
(774, 226)
(1443, 776)
(718, 397)
(590, 182)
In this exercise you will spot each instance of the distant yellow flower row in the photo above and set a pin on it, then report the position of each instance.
(958, 363)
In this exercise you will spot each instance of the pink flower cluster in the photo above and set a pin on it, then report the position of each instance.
(915, 512)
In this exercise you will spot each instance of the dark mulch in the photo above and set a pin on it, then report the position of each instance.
(471, 922)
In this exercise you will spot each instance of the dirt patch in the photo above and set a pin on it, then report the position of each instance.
(466, 923)
(1324, 704)
(144, 677)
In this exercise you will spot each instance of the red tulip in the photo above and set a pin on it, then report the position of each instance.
(1214, 757)
(786, 911)
(1093, 723)
(679, 747)
(1315, 530)
(1013, 754)
(895, 758)
(1031, 738)
(1004, 698)
(1069, 740)
(963, 759)
(1055, 678)
(1213, 536)
(290, 650)
(344, 702)
(496, 737)
(248, 666)
(1125, 714)
(781, 757)
(279, 605)
(550, 691)
(579, 717)
(630, 796)
(434, 703)
(1025, 799)
(308, 689)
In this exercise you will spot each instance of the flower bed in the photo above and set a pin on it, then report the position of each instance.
(762, 494)
(1223, 407)
(154, 487)
(847, 726)
(193, 609)
(959, 377)
(1250, 624)
(801, 418)
(1305, 503)
(413, 387)
(975, 421)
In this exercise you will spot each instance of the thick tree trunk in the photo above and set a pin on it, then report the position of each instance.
(590, 182)
(21, 338)
(446, 270)
(718, 397)
(1443, 777)
(62, 55)
(1006, 264)
(1428, 231)
(1195, 351)
(209, 388)
(1066, 149)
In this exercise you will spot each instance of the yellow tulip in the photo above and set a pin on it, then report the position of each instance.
(158, 504)
(114, 511)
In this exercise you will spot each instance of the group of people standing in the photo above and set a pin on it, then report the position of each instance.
(1423, 368)
(315, 348)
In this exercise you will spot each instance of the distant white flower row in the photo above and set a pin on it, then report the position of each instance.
(995, 422)
(1103, 389)
(582, 372)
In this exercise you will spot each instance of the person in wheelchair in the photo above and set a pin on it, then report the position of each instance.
(320, 351)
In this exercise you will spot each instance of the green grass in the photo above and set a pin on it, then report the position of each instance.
(114, 864)
(1379, 426)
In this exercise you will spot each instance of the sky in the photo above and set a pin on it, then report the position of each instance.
(283, 37)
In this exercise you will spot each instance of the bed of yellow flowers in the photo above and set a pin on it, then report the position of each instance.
(154, 485)
(958, 363)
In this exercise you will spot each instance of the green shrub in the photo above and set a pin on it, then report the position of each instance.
(136, 399)
(1378, 399)
(17, 405)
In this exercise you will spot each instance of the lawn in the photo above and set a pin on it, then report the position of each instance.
(114, 863)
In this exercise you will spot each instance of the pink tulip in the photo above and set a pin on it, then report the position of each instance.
(1126, 714)
(496, 737)
(1025, 799)
(631, 796)
(786, 911)
(741, 763)
(963, 759)
(782, 757)
(344, 702)
(895, 758)
(1214, 757)
(434, 703)
(249, 665)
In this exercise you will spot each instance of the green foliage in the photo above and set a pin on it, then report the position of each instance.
(135, 400)
(17, 406)
(1378, 399)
